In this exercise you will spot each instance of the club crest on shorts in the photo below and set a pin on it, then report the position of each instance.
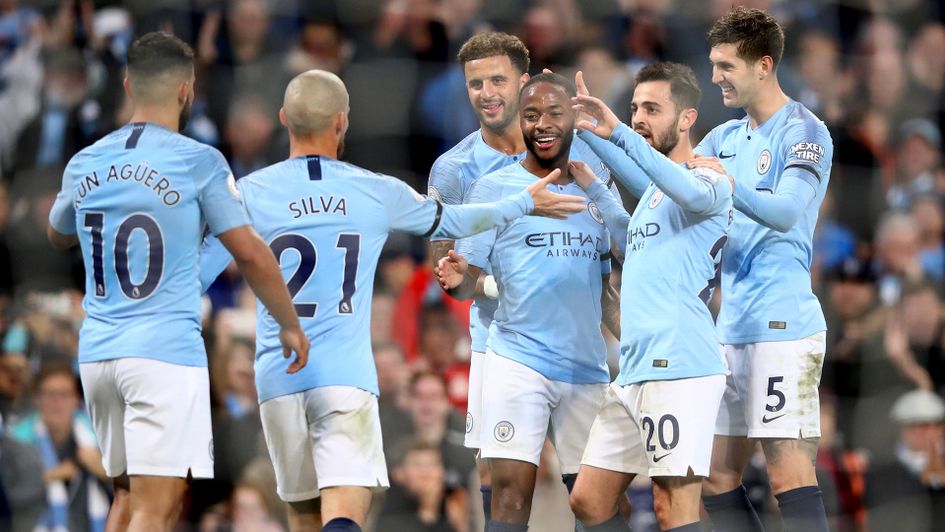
(595, 212)
(764, 162)
(469, 422)
(504, 431)
(211, 450)
(656, 199)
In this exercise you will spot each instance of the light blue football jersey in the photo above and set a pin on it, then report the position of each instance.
(766, 285)
(327, 221)
(672, 263)
(549, 277)
(453, 174)
(139, 200)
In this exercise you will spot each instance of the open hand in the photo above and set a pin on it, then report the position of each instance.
(590, 108)
(550, 204)
(582, 174)
(711, 163)
(451, 269)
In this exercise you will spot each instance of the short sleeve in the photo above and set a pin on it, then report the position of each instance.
(219, 199)
(807, 146)
(477, 249)
(62, 214)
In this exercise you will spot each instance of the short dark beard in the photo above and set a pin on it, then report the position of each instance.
(563, 154)
(667, 144)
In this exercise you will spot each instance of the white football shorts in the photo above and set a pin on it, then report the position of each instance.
(772, 389)
(517, 405)
(323, 437)
(150, 417)
(657, 428)
(474, 401)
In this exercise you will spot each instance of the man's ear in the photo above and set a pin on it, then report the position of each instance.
(523, 80)
(127, 85)
(341, 124)
(182, 90)
(282, 119)
(765, 66)
(688, 119)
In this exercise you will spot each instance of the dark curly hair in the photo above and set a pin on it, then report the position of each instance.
(754, 33)
(491, 44)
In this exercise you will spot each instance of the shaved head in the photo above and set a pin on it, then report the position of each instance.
(312, 100)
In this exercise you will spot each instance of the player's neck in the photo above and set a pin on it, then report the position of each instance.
(768, 102)
(509, 142)
(530, 164)
(323, 145)
(155, 115)
(682, 152)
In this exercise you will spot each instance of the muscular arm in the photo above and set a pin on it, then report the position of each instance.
(610, 306)
(261, 271)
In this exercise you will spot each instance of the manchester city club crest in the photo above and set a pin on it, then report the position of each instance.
(656, 199)
(469, 422)
(504, 431)
(764, 162)
(595, 212)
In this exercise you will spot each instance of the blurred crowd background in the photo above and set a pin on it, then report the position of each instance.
(873, 70)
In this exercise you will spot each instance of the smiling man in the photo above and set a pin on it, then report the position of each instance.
(495, 67)
(771, 324)
(669, 354)
(545, 358)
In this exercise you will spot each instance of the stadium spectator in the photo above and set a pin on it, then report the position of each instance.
(249, 135)
(76, 488)
(897, 255)
(929, 217)
(434, 422)
(420, 499)
(917, 159)
(908, 492)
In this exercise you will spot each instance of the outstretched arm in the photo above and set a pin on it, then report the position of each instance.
(690, 192)
(622, 167)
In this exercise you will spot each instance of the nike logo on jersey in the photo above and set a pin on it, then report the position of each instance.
(724, 155)
(766, 419)
(660, 457)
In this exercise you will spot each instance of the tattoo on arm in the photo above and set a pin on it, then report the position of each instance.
(439, 249)
(610, 306)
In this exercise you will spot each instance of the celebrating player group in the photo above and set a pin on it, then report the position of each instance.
(524, 219)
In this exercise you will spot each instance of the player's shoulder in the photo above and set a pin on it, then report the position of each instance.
(193, 151)
(802, 119)
(727, 127)
(456, 156)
